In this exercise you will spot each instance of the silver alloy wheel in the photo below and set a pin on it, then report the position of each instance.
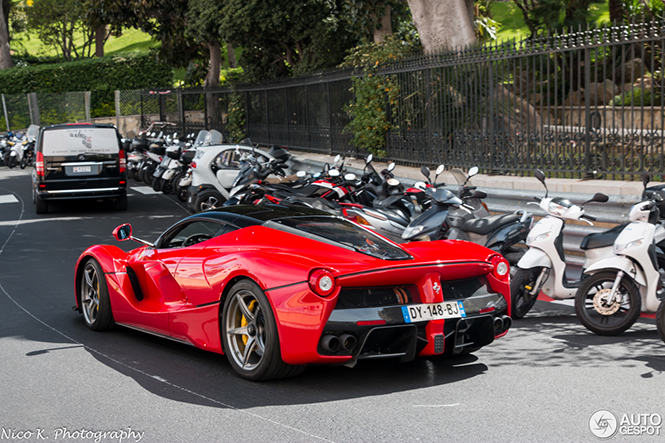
(90, 293)
(211, 202)
(245, 330)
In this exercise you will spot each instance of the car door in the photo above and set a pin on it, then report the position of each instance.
(227, 163)
(159, 288)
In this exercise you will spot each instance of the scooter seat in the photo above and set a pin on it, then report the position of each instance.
(485, 225)
(602, 239)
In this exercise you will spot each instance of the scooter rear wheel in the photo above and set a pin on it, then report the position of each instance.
(660, 320)
(521, 287)
(600, 317)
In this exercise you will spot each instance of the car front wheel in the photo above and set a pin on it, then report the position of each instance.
(249, 333)
(94, 297)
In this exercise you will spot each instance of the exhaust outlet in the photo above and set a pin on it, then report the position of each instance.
(348, 342)
(507, 322)
(498, 325)
(330, 343)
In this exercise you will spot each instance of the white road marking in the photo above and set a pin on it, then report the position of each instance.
(9, 198)
(570, 302)
(437, 406)
(39, 220)
(145, 190)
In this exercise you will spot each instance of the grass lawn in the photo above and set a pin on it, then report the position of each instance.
(512, 20)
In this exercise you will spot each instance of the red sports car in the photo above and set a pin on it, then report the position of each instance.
(276, 287)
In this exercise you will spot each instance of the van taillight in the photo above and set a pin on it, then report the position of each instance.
(39, 164)
(123, 161)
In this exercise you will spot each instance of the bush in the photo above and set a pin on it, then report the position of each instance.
(101, 76)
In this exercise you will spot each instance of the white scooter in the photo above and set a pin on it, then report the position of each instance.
(543, 266)
(619, 287)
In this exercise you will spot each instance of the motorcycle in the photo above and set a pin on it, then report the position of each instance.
(543, 266)
(627, 282)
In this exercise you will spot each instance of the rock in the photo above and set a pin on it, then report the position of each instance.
(575, 98)
(601, 94)
(630, 71)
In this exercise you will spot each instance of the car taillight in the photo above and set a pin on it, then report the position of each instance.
(123, 161)
(322, 282)
(501, 268)
(39, 164)
(193, 165)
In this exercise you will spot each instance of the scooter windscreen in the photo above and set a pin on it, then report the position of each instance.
(444, 196)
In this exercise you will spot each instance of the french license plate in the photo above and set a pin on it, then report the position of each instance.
(434, 311)
(81, 169)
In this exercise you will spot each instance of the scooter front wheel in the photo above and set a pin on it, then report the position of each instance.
(660, 320)
(521, 287)
(602, 316)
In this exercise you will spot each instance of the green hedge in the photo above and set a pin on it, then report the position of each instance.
(101, 76)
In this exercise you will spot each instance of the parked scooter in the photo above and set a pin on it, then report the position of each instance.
(618, 288)
(660, 319)
(543, 266)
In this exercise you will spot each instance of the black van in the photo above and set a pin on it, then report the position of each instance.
(79, 161)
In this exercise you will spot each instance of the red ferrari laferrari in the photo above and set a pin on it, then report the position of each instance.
(276, 287)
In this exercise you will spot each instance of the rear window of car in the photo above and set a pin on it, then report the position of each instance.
(79, 140)
(340, 232)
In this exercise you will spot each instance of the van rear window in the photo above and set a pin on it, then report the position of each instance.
(76, 141)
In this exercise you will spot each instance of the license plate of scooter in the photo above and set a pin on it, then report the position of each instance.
(433, 311)
(81, 169)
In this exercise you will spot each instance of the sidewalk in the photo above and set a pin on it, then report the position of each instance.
(611, 187)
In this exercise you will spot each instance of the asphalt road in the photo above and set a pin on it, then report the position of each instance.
(61, 381)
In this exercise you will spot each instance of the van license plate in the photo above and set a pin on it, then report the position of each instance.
(81, 169)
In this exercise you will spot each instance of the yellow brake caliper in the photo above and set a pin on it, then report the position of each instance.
(243, 320)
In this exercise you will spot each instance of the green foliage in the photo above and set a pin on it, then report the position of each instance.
(100, 76)
(364, 16)
(235, 124)
(56, 22)
(374, 93)
(485, 26)
(286, 38)
(556, 15)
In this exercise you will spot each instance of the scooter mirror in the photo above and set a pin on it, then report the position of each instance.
(420, 185)
(317, 175)
(473, 171)
(599, 197)
(333, 173)
(646, 178)
(337, 158)
(326, 167)
(424, 170)
(479, 195)
(540, 175)
(369, 159)
(393, 182)
(439, 170)
(350, 177)
(301, 174)
(175, 135)
(391, 166)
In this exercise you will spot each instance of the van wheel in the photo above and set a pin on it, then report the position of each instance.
(120, 204)
(41, 207)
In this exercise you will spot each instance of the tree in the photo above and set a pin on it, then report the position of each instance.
(5, 54)
(554, 15)
(56, 22)
(375, 19)
(443, 24)
(283, 38)
(203, 19)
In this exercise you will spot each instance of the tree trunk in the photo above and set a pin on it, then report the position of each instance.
(386, 26)
(442, 24)
(232, 56)
(100, 39)
(5, 54)
(616, 11)
(214, 67)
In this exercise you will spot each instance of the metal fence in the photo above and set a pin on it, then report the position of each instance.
(585, 104)
(23, 110)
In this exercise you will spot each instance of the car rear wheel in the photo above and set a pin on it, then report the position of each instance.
(208, 200)
(249, 334)
(41, 206)
(94, 297)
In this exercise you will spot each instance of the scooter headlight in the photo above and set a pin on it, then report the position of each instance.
(620, 248)
(412, 231)
(556, 209)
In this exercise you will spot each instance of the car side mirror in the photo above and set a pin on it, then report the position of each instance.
(123, 232)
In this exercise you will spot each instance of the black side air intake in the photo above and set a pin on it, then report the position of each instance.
(134, 280)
